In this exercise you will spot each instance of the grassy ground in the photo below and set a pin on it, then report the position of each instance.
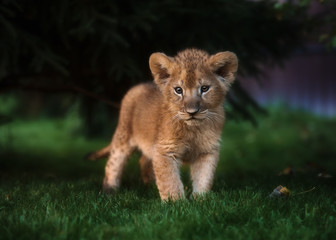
(48, 192)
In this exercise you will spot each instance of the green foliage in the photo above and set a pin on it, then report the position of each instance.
(53, 194)
(284, 139)
(103, 46)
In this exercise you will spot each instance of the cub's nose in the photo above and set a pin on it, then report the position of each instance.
(192, 111)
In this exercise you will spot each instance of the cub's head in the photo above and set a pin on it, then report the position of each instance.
(194, 83)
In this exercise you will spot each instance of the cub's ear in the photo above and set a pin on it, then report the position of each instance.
(225, 65)
(160, 66)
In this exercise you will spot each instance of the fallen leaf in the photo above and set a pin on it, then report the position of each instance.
(280, 191)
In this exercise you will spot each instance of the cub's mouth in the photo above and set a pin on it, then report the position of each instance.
(193, 121)
(191, 118)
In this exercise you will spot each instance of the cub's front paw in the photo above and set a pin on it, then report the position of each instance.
(172, 196)
(108, 188)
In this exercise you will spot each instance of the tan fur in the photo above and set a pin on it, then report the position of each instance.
(171, 129)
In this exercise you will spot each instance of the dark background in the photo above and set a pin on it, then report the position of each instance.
(57, 54)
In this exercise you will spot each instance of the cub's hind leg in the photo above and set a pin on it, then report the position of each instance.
(119, 153)
(147, 172)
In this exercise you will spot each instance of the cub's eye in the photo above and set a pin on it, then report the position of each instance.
(204, 89)
(178, 90)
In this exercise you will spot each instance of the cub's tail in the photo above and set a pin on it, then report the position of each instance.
(102, 153)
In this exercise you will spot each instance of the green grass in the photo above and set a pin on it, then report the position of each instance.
(48, 192)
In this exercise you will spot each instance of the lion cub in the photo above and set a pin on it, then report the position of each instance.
(177, 119)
